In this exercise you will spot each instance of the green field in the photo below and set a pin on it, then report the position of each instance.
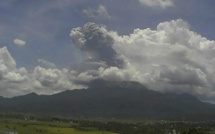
(34, 124)
(42, 127)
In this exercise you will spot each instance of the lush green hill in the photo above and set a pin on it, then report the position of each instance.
(125, 100)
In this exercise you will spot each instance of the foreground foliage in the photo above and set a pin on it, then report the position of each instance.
(25, 124)
(17, 126)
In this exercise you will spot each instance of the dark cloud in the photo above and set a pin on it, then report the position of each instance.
(97, 44)
(184, 76)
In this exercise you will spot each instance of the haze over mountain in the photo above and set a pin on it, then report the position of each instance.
(110, 99)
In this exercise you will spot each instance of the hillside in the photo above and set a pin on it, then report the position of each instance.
(121, 100)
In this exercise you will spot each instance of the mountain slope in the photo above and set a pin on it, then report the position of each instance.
(125, 100)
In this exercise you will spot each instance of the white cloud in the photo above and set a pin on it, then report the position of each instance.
(6, 60)
(46, 63)
(49, 81)
(19, 42)
(98, 14)
(172, 58)
(15, 77)
(11, 78)
(15, 81)
(157, 3)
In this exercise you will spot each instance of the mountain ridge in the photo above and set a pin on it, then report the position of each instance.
(108, 99)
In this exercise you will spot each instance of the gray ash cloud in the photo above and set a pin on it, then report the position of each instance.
(97, 44)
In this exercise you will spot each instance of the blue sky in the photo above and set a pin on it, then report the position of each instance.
(45, 25)
(167, 45)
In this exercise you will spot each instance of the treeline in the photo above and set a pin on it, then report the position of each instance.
(125, 127)
(161, 127)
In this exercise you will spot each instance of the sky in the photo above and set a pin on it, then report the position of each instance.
(51, 46)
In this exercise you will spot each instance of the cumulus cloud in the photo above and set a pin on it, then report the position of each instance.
(19, 42)
(54, 80)
(184, 76)
(157, 3)
(46, 63)
(17, 81)
(9, 74)
(97, 14)
(171, 58)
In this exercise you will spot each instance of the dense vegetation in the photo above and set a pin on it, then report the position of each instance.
(107, 108)
(44, 126)
(25, 124)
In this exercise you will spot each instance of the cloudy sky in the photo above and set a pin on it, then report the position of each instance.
(55, 45)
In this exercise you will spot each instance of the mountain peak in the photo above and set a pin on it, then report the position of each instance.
(118, 99)
(33, 94)
(100, 83)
